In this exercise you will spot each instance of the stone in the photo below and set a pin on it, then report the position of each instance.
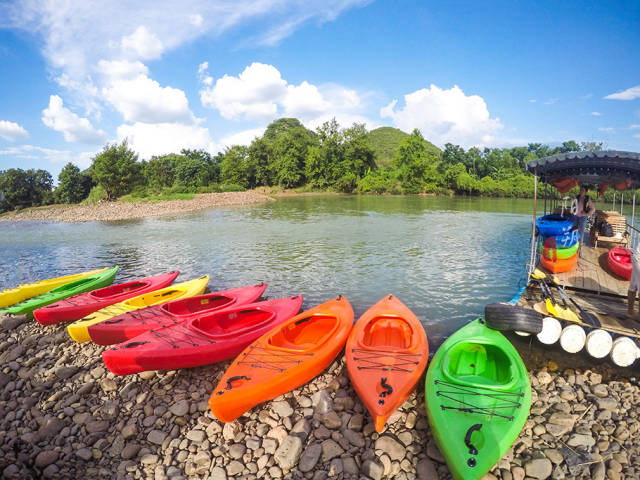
(149, 459)
(234, 468)
(607, 403)
(129, 451)
(356, 439)
(322, 402)
(282, 409)
(335, 467)
(180, 409)
(391, 447)
(349, 466)
(331, 420)
(270, 445)
(218, 473)
(434, 453)
(108, 385)
(356, 422)
(156, 436)
(598, 471)
(581, 440)
(46, 457)
(554, 455)
(426, 470)
(237, 450)
(372, 469)
(310, 457)
(84, 453)
(288, 452)
(539, 468)
(330, 449)
(196, 435)
(97, 426)
(301, 429)
(65, 372)
(129, 431)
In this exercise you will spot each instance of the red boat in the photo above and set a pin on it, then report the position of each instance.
(131, 324)
(85, 304)
(210, 338)
(619, 261)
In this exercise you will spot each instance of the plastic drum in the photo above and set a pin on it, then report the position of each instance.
(572, 338)
(548, 249)
(551, 330)
(551, 225)
(559, 265)
(624, 351)
(565, 240)
(598, 343)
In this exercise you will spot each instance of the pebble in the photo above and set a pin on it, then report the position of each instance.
(46, 457)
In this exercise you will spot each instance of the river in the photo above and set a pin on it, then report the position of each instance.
(445, 258)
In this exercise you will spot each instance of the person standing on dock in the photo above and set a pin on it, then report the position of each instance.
(634, 282)
(584, 209)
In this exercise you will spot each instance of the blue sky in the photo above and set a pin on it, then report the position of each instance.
(211, 73)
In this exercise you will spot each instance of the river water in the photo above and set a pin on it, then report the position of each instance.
(445, 258)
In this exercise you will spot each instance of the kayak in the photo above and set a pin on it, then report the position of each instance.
(78, 330)
(478, 397)
(565, 240)
(76, 287)
(206, 339)
(550, 251)
(131, 324)
(282, 359)
(552, 225)
(386, 354)
(15, 295)
(559, 265)
(84, 304)
(619, 261)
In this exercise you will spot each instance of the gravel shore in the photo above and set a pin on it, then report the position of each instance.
(62, 415)
(110, 211)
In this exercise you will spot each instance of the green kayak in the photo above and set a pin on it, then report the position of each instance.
(99, 280)
(478, 398)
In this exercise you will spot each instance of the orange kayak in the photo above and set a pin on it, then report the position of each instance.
(284, 358)
(386, 354)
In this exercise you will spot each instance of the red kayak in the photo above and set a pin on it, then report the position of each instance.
(131, 324)
(85, 304)
(619, 261)
(210, 338)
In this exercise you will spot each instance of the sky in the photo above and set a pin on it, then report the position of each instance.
(80, 74)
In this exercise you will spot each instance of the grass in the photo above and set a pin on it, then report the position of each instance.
(157, 198)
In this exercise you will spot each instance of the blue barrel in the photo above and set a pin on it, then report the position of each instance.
(565, 240)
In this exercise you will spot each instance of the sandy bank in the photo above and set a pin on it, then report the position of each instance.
(110, 211)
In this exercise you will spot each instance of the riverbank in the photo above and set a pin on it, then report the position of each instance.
(112, 211)
(62, 415)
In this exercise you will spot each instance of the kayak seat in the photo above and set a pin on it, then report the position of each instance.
(193, 305)
(388, 333)
(479, 364)
(236, 321)
(305, 334)
(118, 289)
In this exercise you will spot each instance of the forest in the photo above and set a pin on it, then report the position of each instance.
(289, 156)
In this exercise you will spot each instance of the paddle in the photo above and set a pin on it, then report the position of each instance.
(548, 300)
(587, 317)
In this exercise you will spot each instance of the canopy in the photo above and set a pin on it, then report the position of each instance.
(620, 170)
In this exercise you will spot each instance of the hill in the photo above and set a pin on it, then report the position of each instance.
(386, 140)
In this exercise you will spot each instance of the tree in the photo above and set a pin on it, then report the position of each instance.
(22, 188)
(116, 170)
(411, 163)
(73, 185)
(159, 171)
(233, 166)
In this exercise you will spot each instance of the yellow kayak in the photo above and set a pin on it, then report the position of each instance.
(79, 329)
(15, 295)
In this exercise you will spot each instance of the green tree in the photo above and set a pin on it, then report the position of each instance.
(233, 166)
(412, 162)
(159, 172)
(116, 170)
(20, 188)
(73, 185)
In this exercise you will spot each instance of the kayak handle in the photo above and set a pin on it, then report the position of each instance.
(385, 385)
(233, 379)
(134, 344)
(467, 438)
(303, 320)
(111, 322)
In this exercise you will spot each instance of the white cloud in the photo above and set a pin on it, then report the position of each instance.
(253, 94)
(142, 99)
(532, 100)
(606, 129)
(114, 70)
(634, 127)
(244, 137)
(551, 101)
(445, 116)
(32, 152)
(12, 131)
(150, 139)
(596, 114)
(260, 93)
(142, 44)
(196, 20)
(628, 94)
(73, 127)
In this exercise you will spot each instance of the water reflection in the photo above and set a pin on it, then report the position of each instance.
(444, 257)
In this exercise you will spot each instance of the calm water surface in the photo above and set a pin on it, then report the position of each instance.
(446, 258)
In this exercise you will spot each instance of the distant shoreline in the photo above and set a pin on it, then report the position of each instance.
(113, 211)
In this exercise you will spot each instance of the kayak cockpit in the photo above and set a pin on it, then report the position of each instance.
(480, 365)
(306, 333)
(387, 332)
(192, 305)
(119, 289)
(232, 322)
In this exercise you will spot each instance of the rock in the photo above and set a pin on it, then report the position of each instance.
(600, 390)
(301, 429)
(356, 439)
(607, 403)
(356, 422)
(372, 469)
(66, 372)
(237, 450)
(196, 435)
(288, 452)
(282, 409)
(391, 447)
(50, 471)
(97, 426)
(46, 457)
(310, 457)
(335, 467)
(149, 459)
(598, 471)
(349, 466)
(434, 453)
(330, 449)
(234, 468)
(517, 473)
(230, 430)
(554, 455)
(84, 453)
(322, 402)
(581, 440)
(331, 420)
(108, 385)
(426, 470)
(540, 468)
(180, 409)
(218, 473)
(156, 436)
(129, 451)
(129, 431)
(270, 445)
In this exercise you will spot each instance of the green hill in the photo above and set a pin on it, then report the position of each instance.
(386, 140)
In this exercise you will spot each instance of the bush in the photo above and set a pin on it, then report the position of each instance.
(97, 194)
(231, 187)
